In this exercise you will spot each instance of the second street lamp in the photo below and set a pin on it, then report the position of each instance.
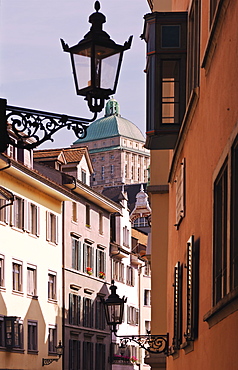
(114, 308)
(96, 62)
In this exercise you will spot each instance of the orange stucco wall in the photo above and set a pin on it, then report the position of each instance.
(213, 127)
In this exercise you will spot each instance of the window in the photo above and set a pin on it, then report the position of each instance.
(4, 212)
(51, 227)
(141, 222)
(18, 213)
(32, 342)
(180, 194)
(52, 339)
(13, 332)
(147, 327)
(17, 276)
(2, 332)
(88, 258)
(126, 171)
(100, 358)
(118, 270)
(130, 279)
(177, 338)
(31, 280)
(102, 173)
(100, 315)
(34, 219)
(88, 360)
(193, 66)
(126, 234)
(234, 218)
(74, 354)
(132, 315)
(112, 169)
(87, 312)
(74, 212)
(52, 286)
(74, 309)
(147, 297)
(166, 38)
(100, 223)
(87, 215)
(100, 263)
(76, 253)
(221, 234)
(2, 272)
(83, 176)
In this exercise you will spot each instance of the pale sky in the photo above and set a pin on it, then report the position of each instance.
(36, 73)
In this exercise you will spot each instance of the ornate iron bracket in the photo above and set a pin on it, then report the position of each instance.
(31, 128)
(151, 343)
(48, 361)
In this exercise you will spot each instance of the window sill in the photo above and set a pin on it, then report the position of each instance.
(224, 308)
(18, 292)
(32, 352)
(187, 346)
(54, 301)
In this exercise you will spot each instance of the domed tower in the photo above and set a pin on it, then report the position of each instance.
(116, 147)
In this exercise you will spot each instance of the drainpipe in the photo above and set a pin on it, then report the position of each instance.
(63, 280)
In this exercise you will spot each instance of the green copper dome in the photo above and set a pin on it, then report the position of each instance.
(112, 125)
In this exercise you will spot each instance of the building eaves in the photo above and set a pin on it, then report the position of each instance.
(93, 196)
(34, 179)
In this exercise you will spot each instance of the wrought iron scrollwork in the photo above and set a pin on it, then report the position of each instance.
(31, 128)
(151, 343)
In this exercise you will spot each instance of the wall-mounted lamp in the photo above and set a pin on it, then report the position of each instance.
(96, 62)
(59, 351)
(114, 308)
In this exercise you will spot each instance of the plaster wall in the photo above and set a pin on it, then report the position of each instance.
(30, 250)
(207, 143)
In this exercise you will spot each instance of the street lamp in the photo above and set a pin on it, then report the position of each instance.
(59, 351)
(114, 308)
(96, 62)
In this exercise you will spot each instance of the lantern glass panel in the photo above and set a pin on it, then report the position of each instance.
(83, 68)
(115, 313)
(106, 65)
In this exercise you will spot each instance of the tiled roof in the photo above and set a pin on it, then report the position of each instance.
(74, 154)
(70, 154)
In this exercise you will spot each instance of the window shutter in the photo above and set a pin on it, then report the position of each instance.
(104, 262)
(92, 260)
(13, 213)
(56, 229)
(78, 310)
(73, 253)
(190, 258)
(84, 257)
(79, 254)
(47, 225)
(180, 194)
(38, 221)
(177, 306)
(97, 262)
(26, 215)
(71, 305)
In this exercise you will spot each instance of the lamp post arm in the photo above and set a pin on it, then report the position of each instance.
(151, 343)
(32, 127)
